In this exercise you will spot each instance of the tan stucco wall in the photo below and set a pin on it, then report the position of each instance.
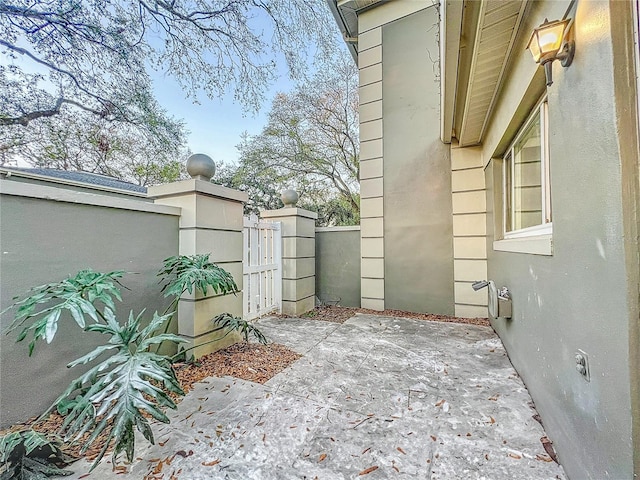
(211, 222)
(45, 240)
(584, 294)
(338, 265)
(298, 256)
(469, 230)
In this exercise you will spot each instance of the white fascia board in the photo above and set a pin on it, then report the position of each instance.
(450, 30)
(344, 28)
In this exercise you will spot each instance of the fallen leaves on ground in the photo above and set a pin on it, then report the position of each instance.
(249, 361)
(548, 447)
(336, 314)
(368, 470)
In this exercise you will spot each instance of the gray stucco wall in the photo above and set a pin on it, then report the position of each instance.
(418, 240)
(45, 241)
(338, 266)
(578, 297)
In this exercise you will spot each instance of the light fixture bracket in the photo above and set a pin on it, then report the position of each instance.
(566, 54)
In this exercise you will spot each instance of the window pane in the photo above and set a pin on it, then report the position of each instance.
(526, 188)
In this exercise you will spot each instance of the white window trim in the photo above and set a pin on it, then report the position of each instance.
(534, 245)
(536, 240)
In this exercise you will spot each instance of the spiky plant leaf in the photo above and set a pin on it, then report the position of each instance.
(30, 455)
(237, 324)
(114, 396)
(42, 306)
(185, 273)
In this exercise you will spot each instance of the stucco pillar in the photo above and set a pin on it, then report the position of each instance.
(211, 222)
(298, 254)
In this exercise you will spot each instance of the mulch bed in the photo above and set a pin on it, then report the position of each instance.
(248, 361)
(332, 313)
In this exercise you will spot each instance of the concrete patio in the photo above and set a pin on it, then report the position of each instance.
(374, 398)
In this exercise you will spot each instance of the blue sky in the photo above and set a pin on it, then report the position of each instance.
(215, 126)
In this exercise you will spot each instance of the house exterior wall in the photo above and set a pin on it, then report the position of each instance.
(338, 265)
(584, 295)
(371, 161)
(405, 173)
(469, 230)
(50, 233)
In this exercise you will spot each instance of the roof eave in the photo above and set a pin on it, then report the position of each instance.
(344, 28)
(450, 31)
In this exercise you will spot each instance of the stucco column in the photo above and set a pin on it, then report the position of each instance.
(211, 222)
(298, 254)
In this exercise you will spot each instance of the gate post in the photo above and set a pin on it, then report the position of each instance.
(298, 254)
(211, 222)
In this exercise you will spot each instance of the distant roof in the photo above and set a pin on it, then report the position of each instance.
(82, 177)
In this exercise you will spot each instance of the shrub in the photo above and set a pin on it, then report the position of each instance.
(122, 391)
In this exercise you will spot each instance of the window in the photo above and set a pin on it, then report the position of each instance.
(527, 201)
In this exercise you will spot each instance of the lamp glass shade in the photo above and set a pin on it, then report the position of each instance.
(547, 39)
(534, 48)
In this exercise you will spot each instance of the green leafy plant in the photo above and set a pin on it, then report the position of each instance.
(196, 273)
(28, 454)
(116, 395)
(77, 294)
(185, 273)
(120, 393)
(230, 323)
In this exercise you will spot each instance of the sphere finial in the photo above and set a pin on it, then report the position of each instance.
(201, 167)
(289, 198)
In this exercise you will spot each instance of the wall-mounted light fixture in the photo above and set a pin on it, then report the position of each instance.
(548, 43)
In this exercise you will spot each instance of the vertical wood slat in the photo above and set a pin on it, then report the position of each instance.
(262, 268)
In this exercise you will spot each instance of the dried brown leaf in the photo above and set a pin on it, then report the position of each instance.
(366, 471)
(544, 458)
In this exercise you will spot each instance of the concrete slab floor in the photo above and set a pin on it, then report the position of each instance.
(373, 398)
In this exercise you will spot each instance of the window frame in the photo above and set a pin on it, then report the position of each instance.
(546, 227)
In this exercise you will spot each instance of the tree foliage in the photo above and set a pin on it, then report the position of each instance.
(75, 140)
(311, 144)
(73, 73)
(96, 54)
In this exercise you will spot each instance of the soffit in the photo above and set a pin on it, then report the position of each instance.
(346, 14)
(493, 38)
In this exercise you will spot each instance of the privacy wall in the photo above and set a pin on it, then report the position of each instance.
(50, 233)
(338, 265)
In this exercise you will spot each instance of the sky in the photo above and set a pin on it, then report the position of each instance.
(215, 126)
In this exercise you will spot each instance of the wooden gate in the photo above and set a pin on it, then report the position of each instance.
(262, 268)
